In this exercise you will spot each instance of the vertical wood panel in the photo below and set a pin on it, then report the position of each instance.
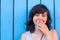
(0, 19)
(6, 19)
(19, 18)
(57, 16)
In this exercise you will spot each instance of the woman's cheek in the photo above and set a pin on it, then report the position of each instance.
(34, 21)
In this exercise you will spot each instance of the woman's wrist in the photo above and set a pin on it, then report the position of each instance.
(48, 33)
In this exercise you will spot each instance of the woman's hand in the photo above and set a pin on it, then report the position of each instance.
(43, 27)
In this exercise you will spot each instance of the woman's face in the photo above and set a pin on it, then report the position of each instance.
(40, 18)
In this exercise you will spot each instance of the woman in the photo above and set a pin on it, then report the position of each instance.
(39, 25)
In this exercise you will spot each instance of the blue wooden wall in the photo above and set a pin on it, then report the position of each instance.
(14, 14)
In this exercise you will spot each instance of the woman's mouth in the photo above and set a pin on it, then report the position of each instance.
(40, 21)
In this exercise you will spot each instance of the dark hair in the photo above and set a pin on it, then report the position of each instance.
(39, 8)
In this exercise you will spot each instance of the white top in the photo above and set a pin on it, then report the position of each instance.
(28, 36)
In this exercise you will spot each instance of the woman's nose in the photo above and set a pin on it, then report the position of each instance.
(40, 17)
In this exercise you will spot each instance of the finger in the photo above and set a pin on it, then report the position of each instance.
(40, 29)
(39, 25)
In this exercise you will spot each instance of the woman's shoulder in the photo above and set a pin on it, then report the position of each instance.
(53, 31)
(23, 36)
(54, 34)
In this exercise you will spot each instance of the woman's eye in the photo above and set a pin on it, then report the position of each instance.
(37, 15)
(43, 15)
